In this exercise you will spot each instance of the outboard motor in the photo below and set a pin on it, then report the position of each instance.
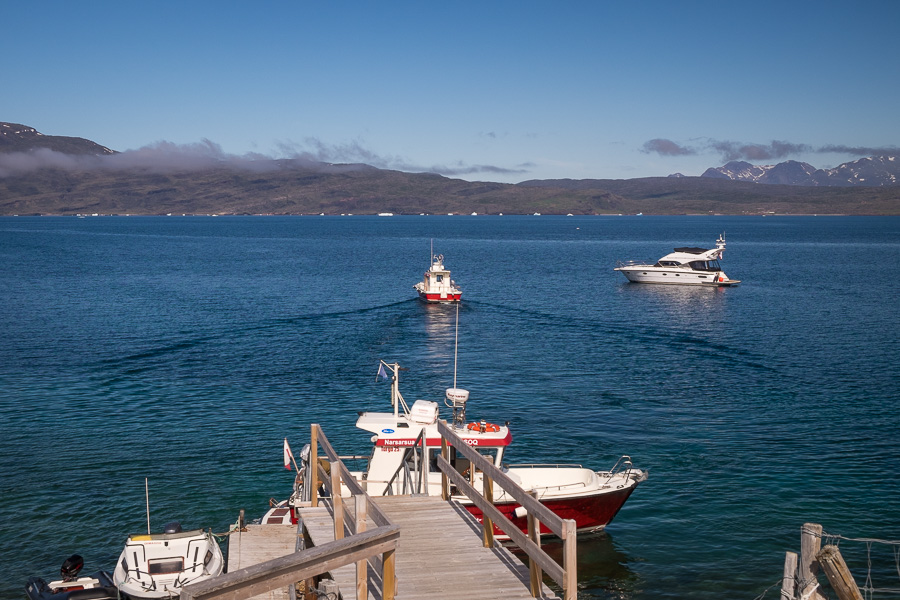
(173, 527)
(71, 567)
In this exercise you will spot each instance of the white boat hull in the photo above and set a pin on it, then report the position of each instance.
(160, 565)
(653, 274)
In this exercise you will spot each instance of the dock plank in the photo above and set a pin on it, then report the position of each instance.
(440, 554)
(259, 543)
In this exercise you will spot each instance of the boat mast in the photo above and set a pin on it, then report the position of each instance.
(456, 346)
(395, 390)
(147, 497)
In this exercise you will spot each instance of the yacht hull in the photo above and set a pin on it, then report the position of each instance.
(648, 274)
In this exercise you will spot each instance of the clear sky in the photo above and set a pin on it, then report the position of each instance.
(493, 91)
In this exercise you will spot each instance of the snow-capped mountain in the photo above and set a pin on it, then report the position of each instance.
(875, 171)
(22, 138)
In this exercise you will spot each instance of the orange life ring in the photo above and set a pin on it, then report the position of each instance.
(484, 427)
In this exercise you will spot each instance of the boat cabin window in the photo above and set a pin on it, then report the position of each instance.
(439, 278)
(461, 463)
(705, 265)
(164, 566)
(668, 263)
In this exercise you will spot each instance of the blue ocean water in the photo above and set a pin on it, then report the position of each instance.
(183, 349)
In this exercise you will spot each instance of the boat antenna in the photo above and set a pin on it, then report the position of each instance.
(456, 345)
(457, 398)
(147, 497)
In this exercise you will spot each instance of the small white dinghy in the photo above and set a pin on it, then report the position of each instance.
(159, 565)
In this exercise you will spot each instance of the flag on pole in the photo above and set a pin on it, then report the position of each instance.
(382, 374)
(288, 456)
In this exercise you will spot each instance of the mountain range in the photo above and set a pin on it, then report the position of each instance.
(874, 171)
(56, 175)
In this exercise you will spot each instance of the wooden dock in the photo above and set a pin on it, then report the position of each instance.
(440, 554)
(256, 544)
(413, 547)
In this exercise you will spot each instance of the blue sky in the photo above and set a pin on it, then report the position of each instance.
(493, 91)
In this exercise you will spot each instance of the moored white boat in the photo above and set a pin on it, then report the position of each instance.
(591, 498)
(436, 285)
(685, 266)
(159, 565)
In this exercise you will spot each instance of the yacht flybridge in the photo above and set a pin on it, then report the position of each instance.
(590, 497)
(685, 266)
(436, 285)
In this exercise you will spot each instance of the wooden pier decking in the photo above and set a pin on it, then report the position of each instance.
(255, 544)
(413, 547)
(440, 554)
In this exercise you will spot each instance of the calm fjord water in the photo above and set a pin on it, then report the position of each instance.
(185, 349)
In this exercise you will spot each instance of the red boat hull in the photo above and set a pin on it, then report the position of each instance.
(589, 512)
(438, 298)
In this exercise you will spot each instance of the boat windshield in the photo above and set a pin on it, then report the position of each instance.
(461, 463)
(165, 566)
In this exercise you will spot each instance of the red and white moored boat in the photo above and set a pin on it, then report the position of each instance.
(591, 498)
(436, 285)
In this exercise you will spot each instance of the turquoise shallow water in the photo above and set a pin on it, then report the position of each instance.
(184, 349)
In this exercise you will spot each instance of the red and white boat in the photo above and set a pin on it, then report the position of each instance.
(591, 498)
(436, 285)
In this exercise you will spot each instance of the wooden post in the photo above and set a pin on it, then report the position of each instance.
(789, 579)
(336, 501)
(810, 542)
(310, 583)
(389, 575)
(362, 566)
(838, 574)
(486, 521)
(425, 467)
(534, 569)
(445, 481)
(314, 465)
(570, 564)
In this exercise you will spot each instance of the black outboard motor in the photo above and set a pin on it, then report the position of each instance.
(71, 567)
(173, 527)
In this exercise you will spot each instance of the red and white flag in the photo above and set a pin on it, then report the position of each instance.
(288, 456)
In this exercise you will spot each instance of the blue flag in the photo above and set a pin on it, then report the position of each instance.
(382, 374)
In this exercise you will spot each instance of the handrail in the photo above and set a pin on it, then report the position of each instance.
(404, 467)
(380, 519)
(297, 566)
(339, 475)
(565, 575)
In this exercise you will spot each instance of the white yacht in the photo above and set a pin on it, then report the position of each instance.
(685, 266)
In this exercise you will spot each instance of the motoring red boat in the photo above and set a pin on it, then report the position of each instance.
(436, 285)
(591, 498)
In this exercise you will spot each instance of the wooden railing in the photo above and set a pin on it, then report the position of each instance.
(357, 547)
(540, 562)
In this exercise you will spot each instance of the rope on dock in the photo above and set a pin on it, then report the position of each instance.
(777, 584)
